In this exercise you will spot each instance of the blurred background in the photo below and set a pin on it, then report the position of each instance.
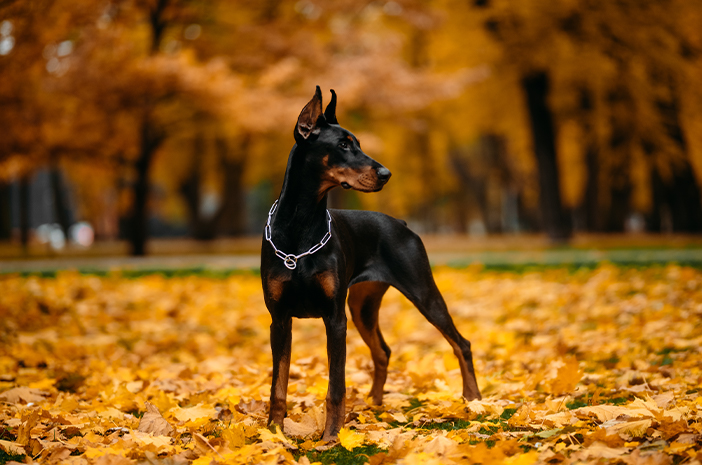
(126, 123)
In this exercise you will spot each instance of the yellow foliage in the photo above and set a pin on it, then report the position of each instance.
(350, 439)
(180, 368)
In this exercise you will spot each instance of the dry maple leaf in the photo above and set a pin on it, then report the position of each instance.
(24, 394)
(254, 407)
(203, 446)
(153, 422)
(569, 374)
(307, 426)
(350, 439)
(11, 448)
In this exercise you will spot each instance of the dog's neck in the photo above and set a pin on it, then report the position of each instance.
(300, 220)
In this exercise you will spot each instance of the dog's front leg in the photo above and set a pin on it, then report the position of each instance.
(336, 392)
(281, 339)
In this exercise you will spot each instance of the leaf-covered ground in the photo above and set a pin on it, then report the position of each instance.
(575, 366)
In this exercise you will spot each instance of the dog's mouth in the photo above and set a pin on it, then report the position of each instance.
(367, 181)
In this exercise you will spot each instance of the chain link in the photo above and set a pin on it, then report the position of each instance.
(290, 260)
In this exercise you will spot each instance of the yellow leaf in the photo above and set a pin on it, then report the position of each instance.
(633, 428)
(204, 460)
(93, 452)
(194, 416)
(11, 448)
(485, 406)
(45, 383)
(440, 446)
(266, 435)
(234, 436)
(568, 376)
(156, 443)
(528, 458)
(23, 393)
(678, 447)
(319, 388)
(112, 413)
(350, 439)
(305, 427)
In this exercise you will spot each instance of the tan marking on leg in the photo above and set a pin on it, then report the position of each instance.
(275, 288)
(281, 387)
(366, 296)
(328, 282)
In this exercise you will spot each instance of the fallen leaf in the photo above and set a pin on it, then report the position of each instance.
(608, 412)
(254, 407)
(305, 427)
(154, 443)
(598, 450)
(440, 446)
(650, 458)
(350, 439)
(154, 423)
(194, 416)
(24, 394)
(11, 448)
(202, 445)
(569, 375)
(548, 433)
(234, 436)
(631, 428)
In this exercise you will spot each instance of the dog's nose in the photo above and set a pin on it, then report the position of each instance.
(383, 174)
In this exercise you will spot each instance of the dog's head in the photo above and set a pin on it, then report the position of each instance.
(335, 150)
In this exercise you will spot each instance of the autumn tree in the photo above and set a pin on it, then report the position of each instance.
(34, 52)
(140, 94)
(286, 49)
(611, 75)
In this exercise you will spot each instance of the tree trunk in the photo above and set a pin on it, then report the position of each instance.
(685, 207)
(150, 141)
(617, 206)
(590, 208)
(61, 210)
(677, 204)
(24, 211)
(463, 194)
(426, 208)
(5, 213)
(684, 198)
(555, 219)
(191, 189)
(158, 24)
(231, 218)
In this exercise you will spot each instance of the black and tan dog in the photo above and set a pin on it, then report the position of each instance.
(311, 257)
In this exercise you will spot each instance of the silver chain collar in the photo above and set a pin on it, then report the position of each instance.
(290, 260)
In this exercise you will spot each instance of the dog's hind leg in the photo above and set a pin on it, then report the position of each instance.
(364, 303)
(433, 307)
(409, 271)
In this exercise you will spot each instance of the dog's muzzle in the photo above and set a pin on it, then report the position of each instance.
(383, 174)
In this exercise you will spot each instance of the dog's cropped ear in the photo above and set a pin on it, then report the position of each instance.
(310, 118)
(330, 112)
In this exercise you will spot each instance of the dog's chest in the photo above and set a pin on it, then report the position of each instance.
(303, 297)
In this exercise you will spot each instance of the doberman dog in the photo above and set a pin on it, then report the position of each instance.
(311, 257)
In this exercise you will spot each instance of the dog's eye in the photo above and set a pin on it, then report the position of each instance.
(343, 144)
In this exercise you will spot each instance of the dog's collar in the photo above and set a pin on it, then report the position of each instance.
(290, 260)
